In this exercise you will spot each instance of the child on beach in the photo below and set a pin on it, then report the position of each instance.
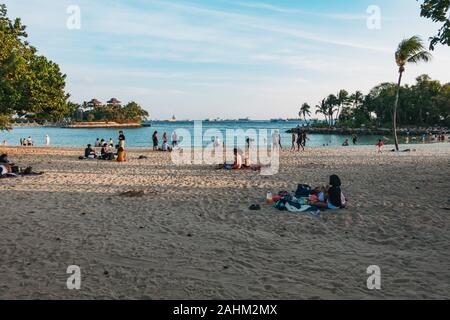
(380, 146)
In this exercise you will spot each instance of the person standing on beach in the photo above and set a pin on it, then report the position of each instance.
(164, 137)
(380, 146)
(121, 139)
(47, 140)
(174, 139)
(155, 141)
(355, 138)
(276, 140)
(111, 143)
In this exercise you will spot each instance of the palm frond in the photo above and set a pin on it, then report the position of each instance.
(424, 56)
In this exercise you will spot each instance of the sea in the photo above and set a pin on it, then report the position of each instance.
(195, 133)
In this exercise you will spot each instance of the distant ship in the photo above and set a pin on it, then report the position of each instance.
(244, 119)
(278, 120)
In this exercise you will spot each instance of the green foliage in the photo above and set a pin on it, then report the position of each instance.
(131, 112)
(438, 11)
(30, 85)
(426, 103)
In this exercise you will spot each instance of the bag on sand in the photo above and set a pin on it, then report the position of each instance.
(303, 190)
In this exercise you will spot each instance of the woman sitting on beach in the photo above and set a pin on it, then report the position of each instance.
(121, 156)
(331, 196)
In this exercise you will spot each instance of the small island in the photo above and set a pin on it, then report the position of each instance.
(95, 114)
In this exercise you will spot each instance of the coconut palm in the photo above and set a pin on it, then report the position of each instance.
(305, 110)
(409, 50)
(331, 102)
(322, 108)
(342, 101)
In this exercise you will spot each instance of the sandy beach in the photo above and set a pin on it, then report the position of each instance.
(149, 229)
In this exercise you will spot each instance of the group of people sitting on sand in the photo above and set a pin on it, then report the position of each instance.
(106, 153)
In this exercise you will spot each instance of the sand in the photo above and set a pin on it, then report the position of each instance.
(148, 229)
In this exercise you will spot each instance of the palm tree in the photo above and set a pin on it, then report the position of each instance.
(305, 110)
(342, 101)
(322, 108)
(331, 102)
(409, 50)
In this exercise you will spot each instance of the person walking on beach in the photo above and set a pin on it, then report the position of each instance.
(47, 140)
(164, 138)
(380, 146)
(304, 138)
(294, 141)
(155, 141)
(174, 139)
(121, 139)
(299, 142)
(355, 138)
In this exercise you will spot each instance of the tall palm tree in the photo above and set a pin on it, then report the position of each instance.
(322, 108)
(331, 102)
(305, 110)
(342, 101)
(409, 50)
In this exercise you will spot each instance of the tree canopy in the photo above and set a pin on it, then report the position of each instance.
(31, 86)
(438, 11)
(131, 112)
(425, 103)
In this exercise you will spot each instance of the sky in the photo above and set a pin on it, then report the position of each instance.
(203, 59)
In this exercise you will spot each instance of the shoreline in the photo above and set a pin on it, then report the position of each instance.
(365, 131)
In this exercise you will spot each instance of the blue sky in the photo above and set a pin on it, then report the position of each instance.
(227, 58)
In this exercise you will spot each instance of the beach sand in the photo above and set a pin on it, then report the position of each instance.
(148, 229)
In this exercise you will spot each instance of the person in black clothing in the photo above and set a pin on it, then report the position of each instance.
(89, 152)
(121, 139)
(332, 195)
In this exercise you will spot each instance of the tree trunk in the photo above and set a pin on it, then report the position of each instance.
(394, 116)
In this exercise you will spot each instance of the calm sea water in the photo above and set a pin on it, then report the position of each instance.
(141, 137)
